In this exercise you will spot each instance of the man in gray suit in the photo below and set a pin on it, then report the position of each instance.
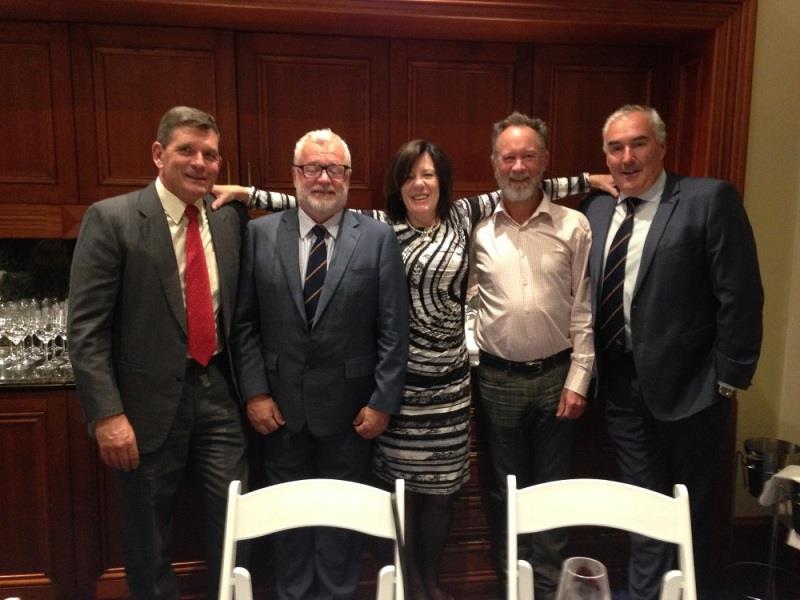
(153, 283)
(678, 300)
(320, 343)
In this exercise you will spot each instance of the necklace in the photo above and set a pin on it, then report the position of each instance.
(426, 233)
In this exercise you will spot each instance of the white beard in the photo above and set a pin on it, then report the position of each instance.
(518, 191)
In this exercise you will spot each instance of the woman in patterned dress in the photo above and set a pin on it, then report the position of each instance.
(427, 443)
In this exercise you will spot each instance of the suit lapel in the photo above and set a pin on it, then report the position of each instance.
(288, 250)
(669, 200)
(343, 251)
(155, 233)
(600, 222)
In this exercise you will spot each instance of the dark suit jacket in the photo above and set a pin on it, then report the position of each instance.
(357, 351)
(696, 307)
(127, 320)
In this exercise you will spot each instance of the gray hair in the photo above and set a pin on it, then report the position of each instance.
(517, 119)
(324, 137)
(656, 122)
(184, 116)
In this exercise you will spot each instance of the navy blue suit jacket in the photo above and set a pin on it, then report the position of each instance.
(357, 352)
(696, 308)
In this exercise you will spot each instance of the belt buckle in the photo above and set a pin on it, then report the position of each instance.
(537, 366)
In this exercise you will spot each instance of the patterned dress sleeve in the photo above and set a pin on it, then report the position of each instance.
(274, 201)
(479, 207)
(562, 187)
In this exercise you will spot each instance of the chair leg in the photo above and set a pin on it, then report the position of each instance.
(242, 585)
(525, 580)
(671, 585)
(386, 584)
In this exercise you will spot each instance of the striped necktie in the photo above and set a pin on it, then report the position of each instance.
(610, 312)
(316, 268)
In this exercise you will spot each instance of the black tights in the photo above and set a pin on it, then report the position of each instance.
(427, 527)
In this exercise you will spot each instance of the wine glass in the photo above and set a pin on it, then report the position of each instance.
(583, 578)
(45, 329)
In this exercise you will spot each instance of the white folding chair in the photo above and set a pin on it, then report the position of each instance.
(603, 503)
(311, 503)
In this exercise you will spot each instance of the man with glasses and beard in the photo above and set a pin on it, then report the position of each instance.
(321, 344)
(534, 332)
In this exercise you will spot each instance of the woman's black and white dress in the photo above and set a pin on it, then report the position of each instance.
(427, 443)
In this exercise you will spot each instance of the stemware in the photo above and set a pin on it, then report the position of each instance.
(583, 578)
(45, 329)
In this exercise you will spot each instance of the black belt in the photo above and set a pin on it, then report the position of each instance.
(217, 360)
(531, 366)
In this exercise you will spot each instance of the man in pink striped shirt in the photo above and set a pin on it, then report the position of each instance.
(534, 333)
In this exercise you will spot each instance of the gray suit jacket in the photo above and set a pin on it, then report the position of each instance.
(357, 352)
(127, 320)
(696, 308)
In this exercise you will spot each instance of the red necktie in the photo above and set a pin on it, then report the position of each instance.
(199, 309)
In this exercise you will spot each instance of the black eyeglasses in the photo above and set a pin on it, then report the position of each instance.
(313, 170)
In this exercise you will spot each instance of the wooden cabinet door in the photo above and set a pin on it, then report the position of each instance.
(37, 560)
(289, 85)
(37, 156)
(125, 78)
(576, 87)
(451, 93)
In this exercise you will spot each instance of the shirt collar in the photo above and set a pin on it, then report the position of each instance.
(653, 193)
(545, 207)
(306, 223)
(174, 206)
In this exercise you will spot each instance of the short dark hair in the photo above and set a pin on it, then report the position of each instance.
(184, 116)
(517, 119)
(400, 167)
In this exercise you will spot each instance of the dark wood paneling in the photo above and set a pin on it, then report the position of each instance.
(576, 87)
(125, 79)
(290, 85)
(451, 94)
(37, 156)
(36, 518)
(689, 145)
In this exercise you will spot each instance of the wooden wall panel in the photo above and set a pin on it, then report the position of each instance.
(37, 156)
(290, 85)
(35, 518)
(576, 87)
(451, 94)
(125, 79)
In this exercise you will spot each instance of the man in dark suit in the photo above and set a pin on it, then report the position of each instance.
(153, 283)
(321, 342)
(677, 308)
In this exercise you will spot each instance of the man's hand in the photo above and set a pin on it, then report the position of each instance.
(370, 423)
(605, 183)
(117, 442)
(264, 414)
(571, 405)
(228, 193)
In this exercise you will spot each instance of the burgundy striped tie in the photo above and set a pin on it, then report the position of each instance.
(610, 312)
(316, 268)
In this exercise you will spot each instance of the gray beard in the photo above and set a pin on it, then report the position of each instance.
(519, 192)
(320, 208)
